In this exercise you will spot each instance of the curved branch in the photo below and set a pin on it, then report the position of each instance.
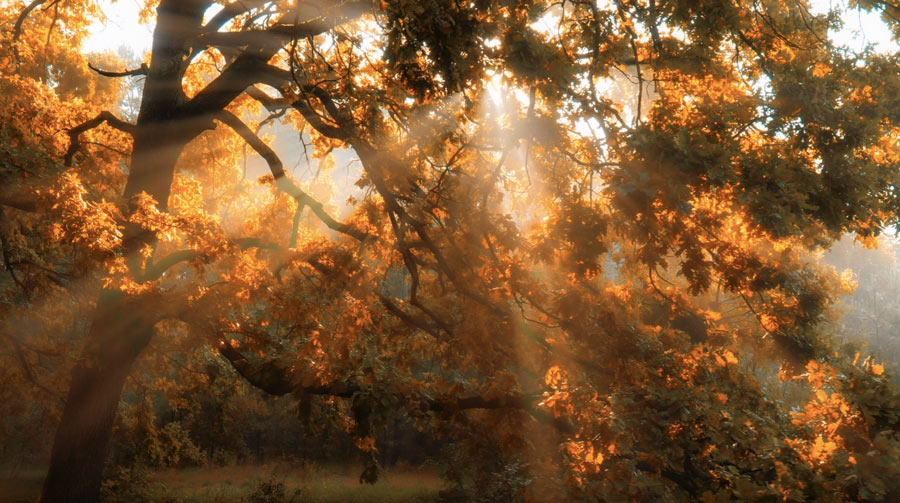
(281, 180)
(17, 29)
(231, 11)
(280, 32)
(272, 104)
(270, 377)
(238, 39)
(250, 66)
(373, 162)
(280, 378)
(317, 122)
(142, 70)
(154, 271)
(277, 78)
(104, 116)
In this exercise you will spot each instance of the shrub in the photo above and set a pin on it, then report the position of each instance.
(267, 491)
(125, 484)
(172, 447)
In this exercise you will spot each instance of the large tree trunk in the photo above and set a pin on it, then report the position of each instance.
(123, 325)
(119, 331)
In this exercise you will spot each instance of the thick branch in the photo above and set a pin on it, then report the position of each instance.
(278, 78)
(105, 116)
(269, 377)
(242, 73)
(249, 67)
(154, 271)
(281, 180)
(272, 104)
(278, 378)
(239, 39)
(318, 123)
(281, 32)
(231, 11)
(29, 205)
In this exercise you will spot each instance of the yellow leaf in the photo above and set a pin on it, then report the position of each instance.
(719, 360)
(730, 358)
(821, 70)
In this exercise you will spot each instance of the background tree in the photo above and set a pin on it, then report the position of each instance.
(598, 292)
(870, 314)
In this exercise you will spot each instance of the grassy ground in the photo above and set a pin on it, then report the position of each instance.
(20, 484)
(237, 484)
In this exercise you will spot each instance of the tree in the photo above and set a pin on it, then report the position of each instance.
(870, 310)
(600, 292)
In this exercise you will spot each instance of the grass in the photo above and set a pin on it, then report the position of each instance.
(20, 485)
(314, 484)
(234, 484)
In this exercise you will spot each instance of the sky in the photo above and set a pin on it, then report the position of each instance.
(120, 29)
(860, 27)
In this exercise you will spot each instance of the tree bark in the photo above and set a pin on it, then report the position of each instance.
(119, 331)
(122, 325)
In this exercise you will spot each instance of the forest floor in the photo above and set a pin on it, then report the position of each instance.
(251, 484)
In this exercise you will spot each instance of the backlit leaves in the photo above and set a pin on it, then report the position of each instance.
(599, 222)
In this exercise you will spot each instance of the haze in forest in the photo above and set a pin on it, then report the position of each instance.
(440, 251)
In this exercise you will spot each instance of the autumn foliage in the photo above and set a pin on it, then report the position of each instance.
(578, 244)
